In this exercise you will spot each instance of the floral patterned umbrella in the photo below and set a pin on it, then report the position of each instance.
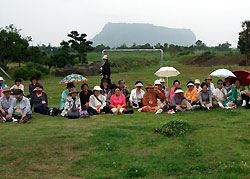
(73, 78)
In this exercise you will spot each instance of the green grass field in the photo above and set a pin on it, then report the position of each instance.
(126, 146)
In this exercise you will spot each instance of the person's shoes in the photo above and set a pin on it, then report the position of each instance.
(139, 110)
(24, 120)
(159, 111)
(221, 105)
(14, 120)
(55, 111)
(2, 118)
(244, 103)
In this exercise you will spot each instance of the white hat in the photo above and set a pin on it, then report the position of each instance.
(139, 85)
(157, 82)
(179, 91)
(190, 84)
(105, 57)
(97, 88)
(197, 81)
(162, 80)
(1, 79)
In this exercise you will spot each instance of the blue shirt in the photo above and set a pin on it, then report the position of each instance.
(65, 94)
(4, 104)
(24, 106)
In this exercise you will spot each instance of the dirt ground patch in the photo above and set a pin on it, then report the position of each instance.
(208, 60)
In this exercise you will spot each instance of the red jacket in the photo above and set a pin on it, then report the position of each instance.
(114, 102)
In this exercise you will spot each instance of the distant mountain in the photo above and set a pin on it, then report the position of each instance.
(117, 34)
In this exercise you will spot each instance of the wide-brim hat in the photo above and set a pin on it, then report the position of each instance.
(197, 81)
(6, 89)
(179, 91)
(73, 90)
(1, 79)
(105, 57)
(149, 86)
(162, 80)
(139, 85)
(157, 82)
(190, 84)
(97, 88)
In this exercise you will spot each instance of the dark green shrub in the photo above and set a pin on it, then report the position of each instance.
(29, 70)
(174, 128)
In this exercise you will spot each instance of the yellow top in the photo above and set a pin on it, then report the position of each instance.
(191, 95)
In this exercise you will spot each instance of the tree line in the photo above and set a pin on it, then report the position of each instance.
(15, 47)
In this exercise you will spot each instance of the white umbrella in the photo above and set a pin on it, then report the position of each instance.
(167, 72)
(223, 73)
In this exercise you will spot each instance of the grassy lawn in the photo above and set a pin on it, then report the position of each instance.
(126, 146)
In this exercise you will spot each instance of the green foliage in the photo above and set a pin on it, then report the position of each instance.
(174, 128)
(29, 70)
(80, 45)
(186, 52)
(242, 38)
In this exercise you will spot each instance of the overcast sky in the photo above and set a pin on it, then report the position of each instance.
(49, 21)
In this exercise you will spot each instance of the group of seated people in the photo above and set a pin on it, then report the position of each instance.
(15, 106)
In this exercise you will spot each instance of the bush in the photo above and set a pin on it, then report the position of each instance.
(186, 52)
(174, 128)
(29, 70)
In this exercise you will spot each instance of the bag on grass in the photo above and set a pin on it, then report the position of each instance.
(73, 114)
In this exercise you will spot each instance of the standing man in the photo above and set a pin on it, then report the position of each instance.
(106, 72)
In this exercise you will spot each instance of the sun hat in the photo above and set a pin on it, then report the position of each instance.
(105, 57)
(157, 82)
(149, 86)
(139, 85)
(73, 90)
(190, 84)
(162, 80)
(1, 79)
(97, 88)
(197, 81)
(6, 89)
(179, 91)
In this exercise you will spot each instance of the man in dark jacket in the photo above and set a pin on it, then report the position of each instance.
(106, 72)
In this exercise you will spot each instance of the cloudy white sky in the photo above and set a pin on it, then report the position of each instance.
(49, 21)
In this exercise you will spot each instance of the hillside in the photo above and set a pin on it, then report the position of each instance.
(116, 34)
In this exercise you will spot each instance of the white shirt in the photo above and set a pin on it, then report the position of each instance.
(218, 93)
(133, 96)
(21, 87)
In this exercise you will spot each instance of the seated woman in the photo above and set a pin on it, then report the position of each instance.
(160, 102)
(162, 81)
(176, 84)
(5, 102)
(191, 94)
(84, 96)
(20, 109)
(32, 86)
(179, 102)
(40, 102)
(72, 102)
(228, 87)
(236, 94)
(220, 94)
(205, 97)
(118, 102)
(124, 89)
(18, 85)
(150, 99)
(65, 94)
(136, 96)
(245, 95)
(2, 85)
(97, 102)
(105, 87)
(197, 87)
